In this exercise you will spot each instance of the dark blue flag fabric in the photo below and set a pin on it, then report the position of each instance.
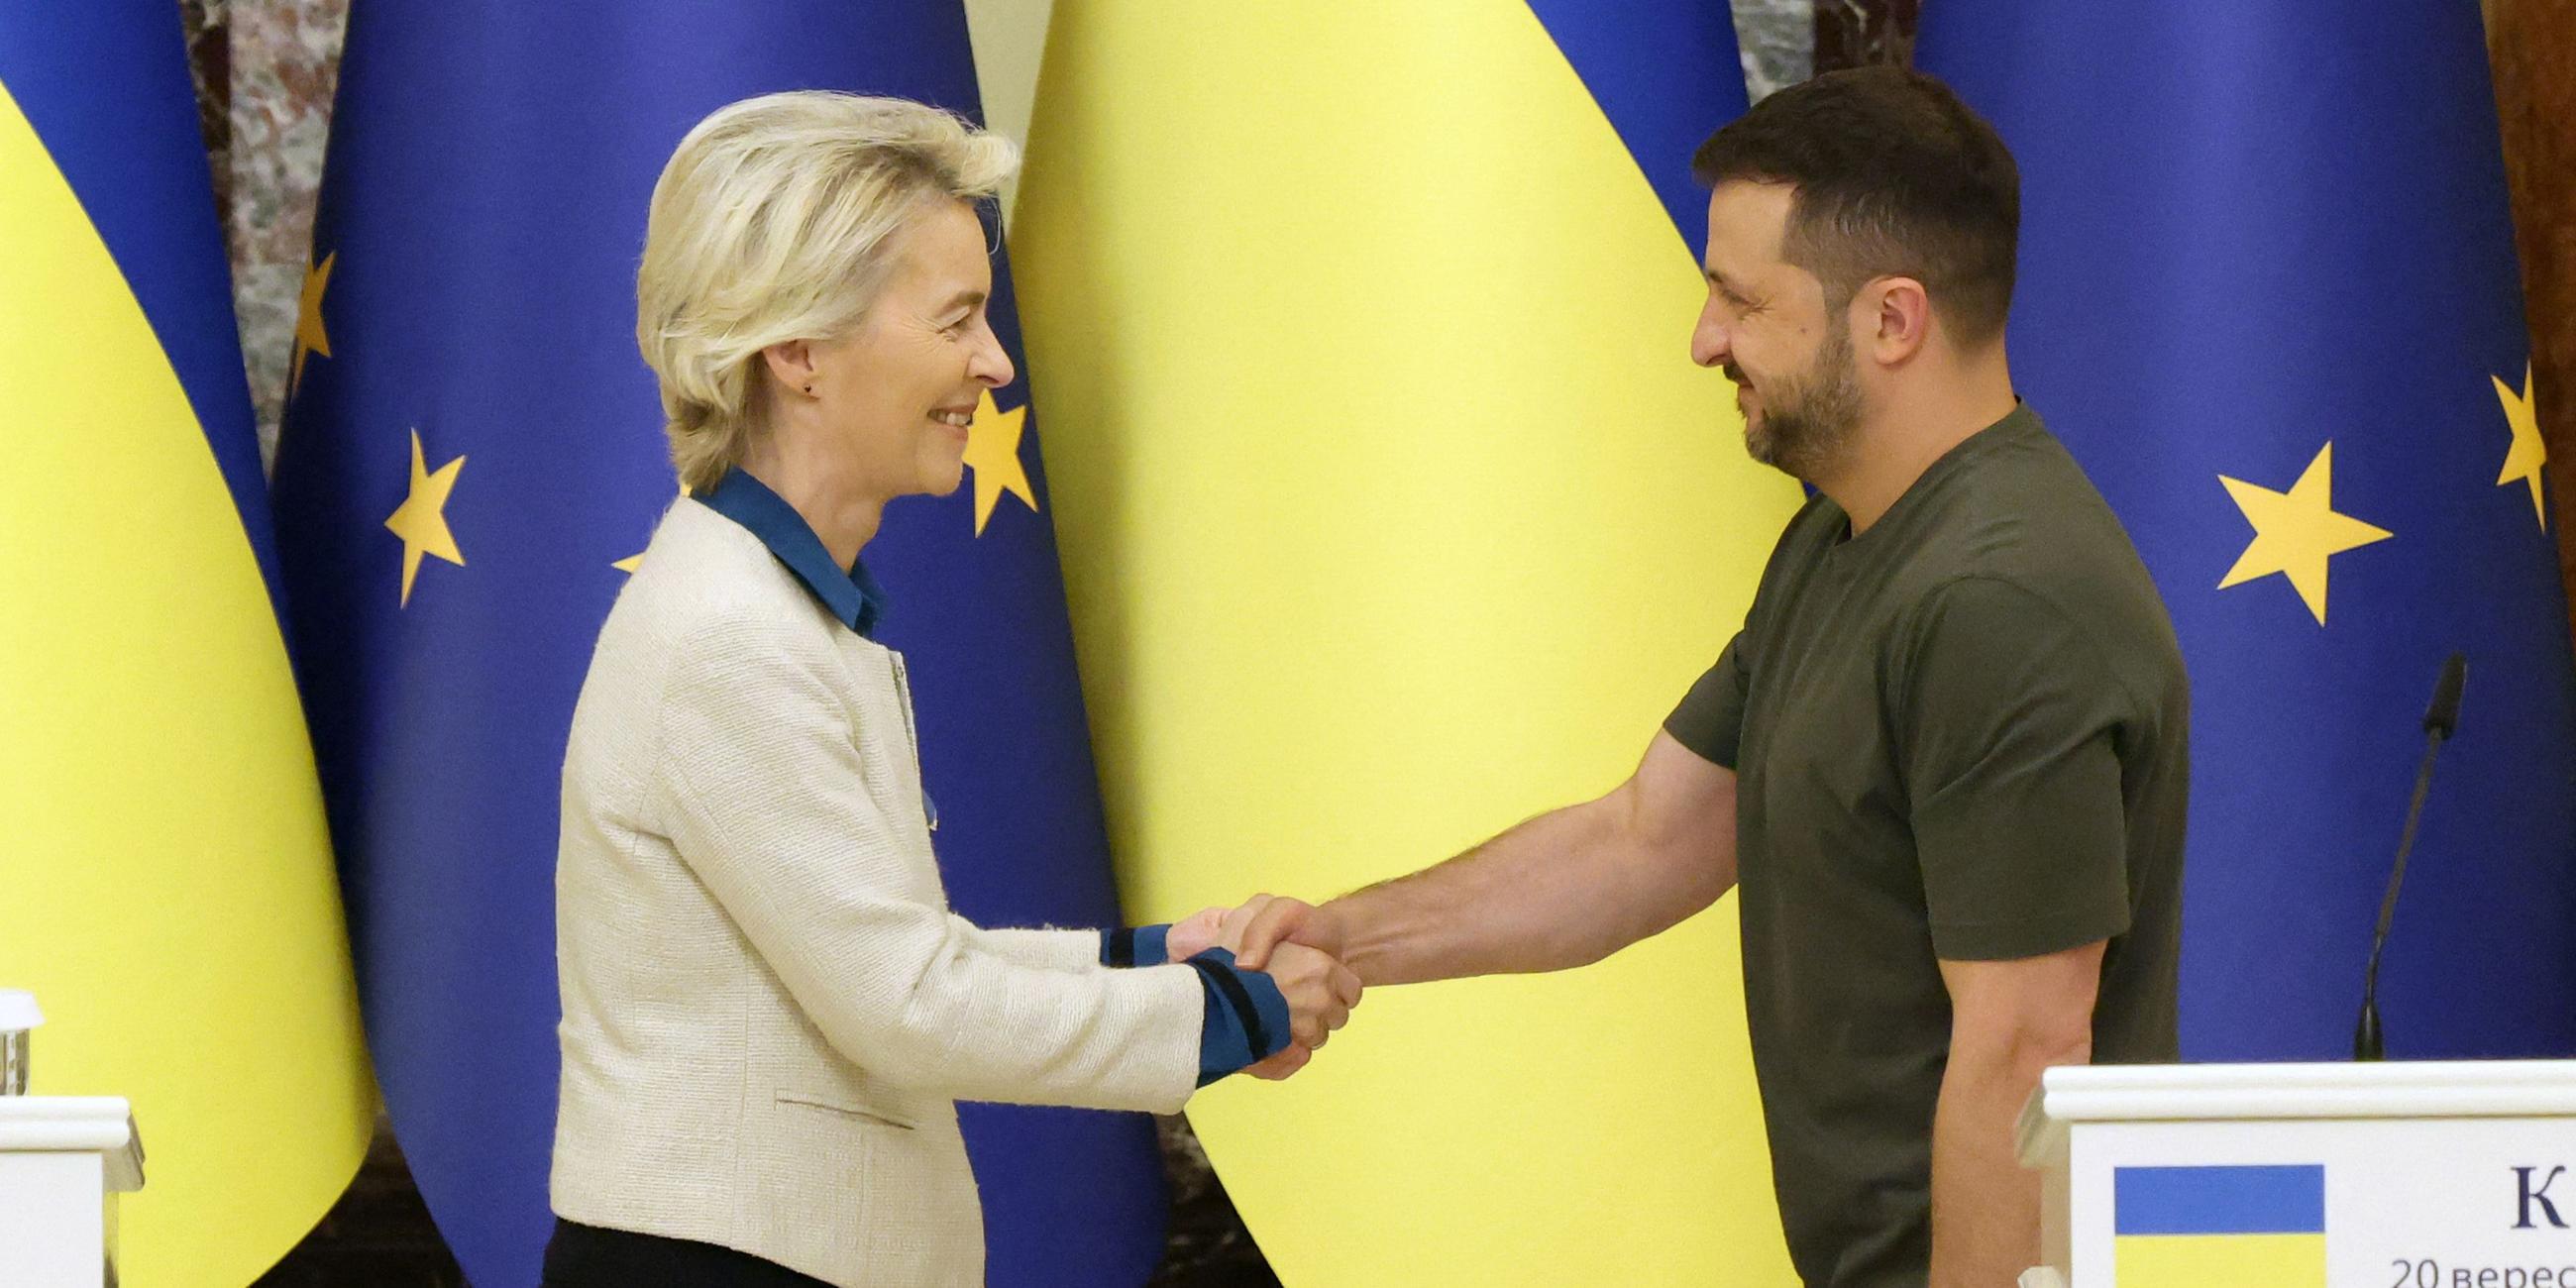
(1666, 75)
(472, 448)
(2268, 296)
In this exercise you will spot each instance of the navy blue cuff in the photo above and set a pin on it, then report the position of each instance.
(1247, 1018)
(1135, 946)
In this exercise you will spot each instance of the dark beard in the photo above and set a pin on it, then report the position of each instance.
(1808, 423)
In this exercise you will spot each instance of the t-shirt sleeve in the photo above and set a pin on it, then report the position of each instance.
(2009, 743)
(1710, 719)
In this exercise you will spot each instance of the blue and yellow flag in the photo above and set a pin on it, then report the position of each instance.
(2195, 1227)
(1394, 512)
(2268, 298)
(166, 886)
(474, 449)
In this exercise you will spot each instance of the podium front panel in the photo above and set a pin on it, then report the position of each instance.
(2352, 1203)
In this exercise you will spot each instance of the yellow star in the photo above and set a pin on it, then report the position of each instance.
(2297, 531)
(993, 448)
(2523, 460)
(630, 563)
(421, 520)
(309, 335)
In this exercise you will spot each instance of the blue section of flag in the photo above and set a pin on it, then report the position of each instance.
(2219, 1200)
(485, 198)
(2241, 242)
(1667, 73)
(142, 179)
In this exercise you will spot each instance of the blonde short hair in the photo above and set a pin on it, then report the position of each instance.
(769, 224)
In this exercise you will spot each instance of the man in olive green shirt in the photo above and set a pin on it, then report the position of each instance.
(1945, 760)
(1958, 733)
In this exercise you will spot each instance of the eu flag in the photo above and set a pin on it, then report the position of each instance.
(2268, 297)
(472, 449)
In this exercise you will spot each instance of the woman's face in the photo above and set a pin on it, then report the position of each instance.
(897, 395)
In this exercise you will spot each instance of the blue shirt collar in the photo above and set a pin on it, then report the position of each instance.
(851, 596)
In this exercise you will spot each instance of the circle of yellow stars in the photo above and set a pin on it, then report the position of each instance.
(2298, 533)
(2523, 460)
(309, 336)
(992, 451)
(421, 520)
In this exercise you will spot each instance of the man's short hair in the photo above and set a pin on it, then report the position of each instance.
(1893, 176)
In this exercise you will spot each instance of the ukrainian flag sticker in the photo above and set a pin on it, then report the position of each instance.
(2190, 1227)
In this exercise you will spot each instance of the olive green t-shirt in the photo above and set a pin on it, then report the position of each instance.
(1958, 735)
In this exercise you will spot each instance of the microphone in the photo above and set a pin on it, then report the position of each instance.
(2441, 720)
(2443, 715)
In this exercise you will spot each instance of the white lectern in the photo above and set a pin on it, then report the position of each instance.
(2397, 1175)
(63, 1161)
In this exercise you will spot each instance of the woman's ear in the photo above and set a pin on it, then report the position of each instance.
(792, 362)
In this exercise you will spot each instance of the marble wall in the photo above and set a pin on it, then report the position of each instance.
(1778, 42)
(1864, 33)
(284, 60)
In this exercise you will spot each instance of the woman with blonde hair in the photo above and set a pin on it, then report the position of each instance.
(768, 1010)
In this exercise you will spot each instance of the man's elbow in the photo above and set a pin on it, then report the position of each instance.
(2013, 1019)
(1676, 871)
(2070, 1043)
(2021, 1049)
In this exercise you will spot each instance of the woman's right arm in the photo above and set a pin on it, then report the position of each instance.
(763, 799)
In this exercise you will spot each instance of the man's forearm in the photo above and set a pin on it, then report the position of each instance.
(1985, 1206)
(1565, 889)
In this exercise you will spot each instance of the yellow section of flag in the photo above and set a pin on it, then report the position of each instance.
(166, 888)
(1393, 512)
(2208, 1260)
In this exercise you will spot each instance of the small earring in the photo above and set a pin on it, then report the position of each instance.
(809, 391)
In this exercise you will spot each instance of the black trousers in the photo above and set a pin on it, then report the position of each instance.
(586, 1256)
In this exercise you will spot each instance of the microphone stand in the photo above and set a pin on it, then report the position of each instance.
(2439, 722)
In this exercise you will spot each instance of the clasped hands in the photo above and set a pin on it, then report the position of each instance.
(1300, 946)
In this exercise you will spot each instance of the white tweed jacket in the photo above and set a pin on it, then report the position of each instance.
(768, 1010)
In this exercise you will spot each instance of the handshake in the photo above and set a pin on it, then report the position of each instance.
(1300, 946)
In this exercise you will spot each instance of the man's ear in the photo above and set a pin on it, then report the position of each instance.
(1900, 321)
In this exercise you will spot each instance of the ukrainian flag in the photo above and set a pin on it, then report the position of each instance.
(2191, 1227)
(166, 888)
(1395, 512)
